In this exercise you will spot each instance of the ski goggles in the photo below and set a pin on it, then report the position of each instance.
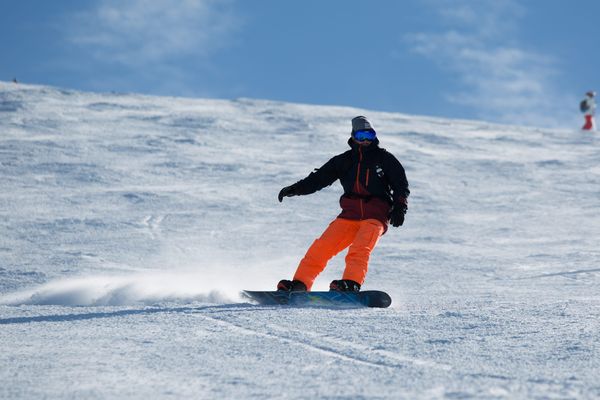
(361, 136)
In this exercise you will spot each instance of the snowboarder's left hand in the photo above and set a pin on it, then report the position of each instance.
(397, 215)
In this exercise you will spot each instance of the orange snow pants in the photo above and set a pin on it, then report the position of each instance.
(360, 236)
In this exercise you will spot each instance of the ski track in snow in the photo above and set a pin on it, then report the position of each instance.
(129, 224)
(346, 351)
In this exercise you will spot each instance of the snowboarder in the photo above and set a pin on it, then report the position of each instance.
(588, 108)
(375, 194)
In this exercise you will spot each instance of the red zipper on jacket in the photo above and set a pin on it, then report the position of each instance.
(357, 184)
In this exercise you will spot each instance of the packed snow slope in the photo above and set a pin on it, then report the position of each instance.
(130, 223)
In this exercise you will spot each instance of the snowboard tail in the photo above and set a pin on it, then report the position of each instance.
(367, 298)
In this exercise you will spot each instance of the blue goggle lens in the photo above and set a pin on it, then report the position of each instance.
(364, 135)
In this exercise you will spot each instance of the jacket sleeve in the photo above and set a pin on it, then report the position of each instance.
(319, 178)
(396, 179)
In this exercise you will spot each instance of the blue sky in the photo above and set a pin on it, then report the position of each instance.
(513, 61)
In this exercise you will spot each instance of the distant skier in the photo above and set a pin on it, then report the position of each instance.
(588, 108)
(375, 193)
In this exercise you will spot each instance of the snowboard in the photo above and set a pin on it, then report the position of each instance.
(368, 298)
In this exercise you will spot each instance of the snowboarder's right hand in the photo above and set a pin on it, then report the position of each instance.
(287, 191)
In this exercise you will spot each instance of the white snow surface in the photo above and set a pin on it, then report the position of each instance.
(129, 225)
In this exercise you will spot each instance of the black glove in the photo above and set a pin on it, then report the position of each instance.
(397, 215)
(288, 191)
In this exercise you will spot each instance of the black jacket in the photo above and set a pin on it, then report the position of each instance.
(373, 179)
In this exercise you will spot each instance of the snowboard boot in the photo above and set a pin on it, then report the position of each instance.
(344, 285)
(291, 286)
